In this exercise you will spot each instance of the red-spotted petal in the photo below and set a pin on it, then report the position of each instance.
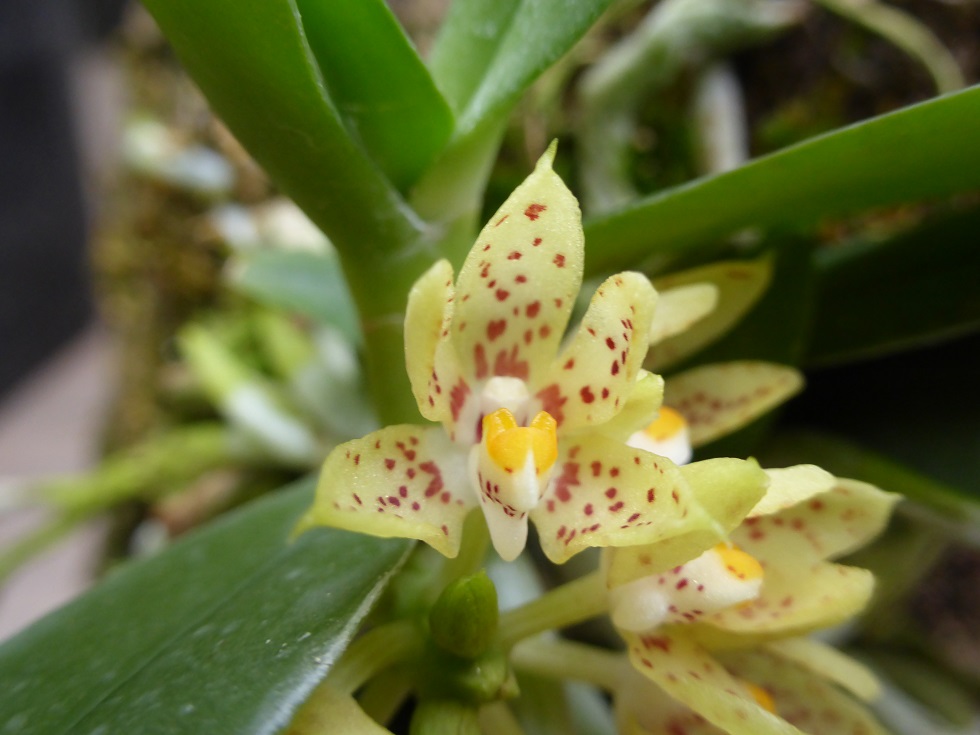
(717, 399)
(400, 481)
(828, 663)
(692, 676)
(519, 283)
(604, 493)
(639, 410)
(592, 378)
(740, 284)
(826, 525)
(795, 600)
(811, 704)
(433, 370)
(725, 488)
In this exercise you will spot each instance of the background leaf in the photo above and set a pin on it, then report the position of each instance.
(309, 284)
(927, 150)
(507, 44)
(879, 297)
(379, 84)
(225, 632)
(256, 68)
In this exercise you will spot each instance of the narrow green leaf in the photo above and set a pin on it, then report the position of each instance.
(927, 150)
(256, 68)
(225, 632)
(309, 284)
(490, 51)
(379, 84)
(922, 287)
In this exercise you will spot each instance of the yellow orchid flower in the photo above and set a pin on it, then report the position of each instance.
(530, 429)
(693, 628)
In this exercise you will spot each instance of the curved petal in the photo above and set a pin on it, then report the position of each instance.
(643, 708)
(829, 663)
(401, 481)
(789, 486)
(432, 367)
(604, 493)
(740, 284)
(717, 399)
(795, 600)
(689, 674)
(519, 282)
(639, 410)
(725, 488)
(828, 525)
(679, 308)
(810, 703)
(592, 378)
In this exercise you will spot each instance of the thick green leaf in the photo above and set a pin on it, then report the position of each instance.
(379, 84)
(927, 150)
(879, 297)
(225, 632)
(490, 51)
(304, 283)
(255, 66)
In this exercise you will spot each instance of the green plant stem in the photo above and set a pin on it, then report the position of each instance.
(566, 605)
(498, 718)
(372, 653)
(561, 659)
(906, 32)
(385, 694)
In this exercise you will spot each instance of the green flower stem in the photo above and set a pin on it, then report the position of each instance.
(561, 659)
(372, 653)
(497, 718)
(906, 32)
(444, 717)
(472, 551)
(384, 695)
(566, 605)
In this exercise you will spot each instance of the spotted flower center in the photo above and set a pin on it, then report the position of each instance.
(511, 447)
(738, 564)
(667, 436)
(761, 696)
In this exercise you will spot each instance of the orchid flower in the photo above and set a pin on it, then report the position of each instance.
(808, 700)
(771, 582)
(529, 428)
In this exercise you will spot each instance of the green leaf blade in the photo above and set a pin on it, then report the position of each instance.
(379, 84)
(927, 150)
(256, 68)
(309, 284)
(223, 633)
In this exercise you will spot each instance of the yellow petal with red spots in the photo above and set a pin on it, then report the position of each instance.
(603, 493)
(640, 409)
(828, 663)
(794, 600)
(825, 526)
(720, 398)
(692, 676)
(807, 701)
(679, 308)
(593, 376)
(518, 285)
(726, 488)
(401, 481)
(431, 367)
(739, 283)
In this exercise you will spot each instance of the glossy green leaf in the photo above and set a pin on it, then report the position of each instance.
(878, 297)
(490, 51)
(225, 632)
(260, 75)
(379, 84)
(927, 150)
(309, 284)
